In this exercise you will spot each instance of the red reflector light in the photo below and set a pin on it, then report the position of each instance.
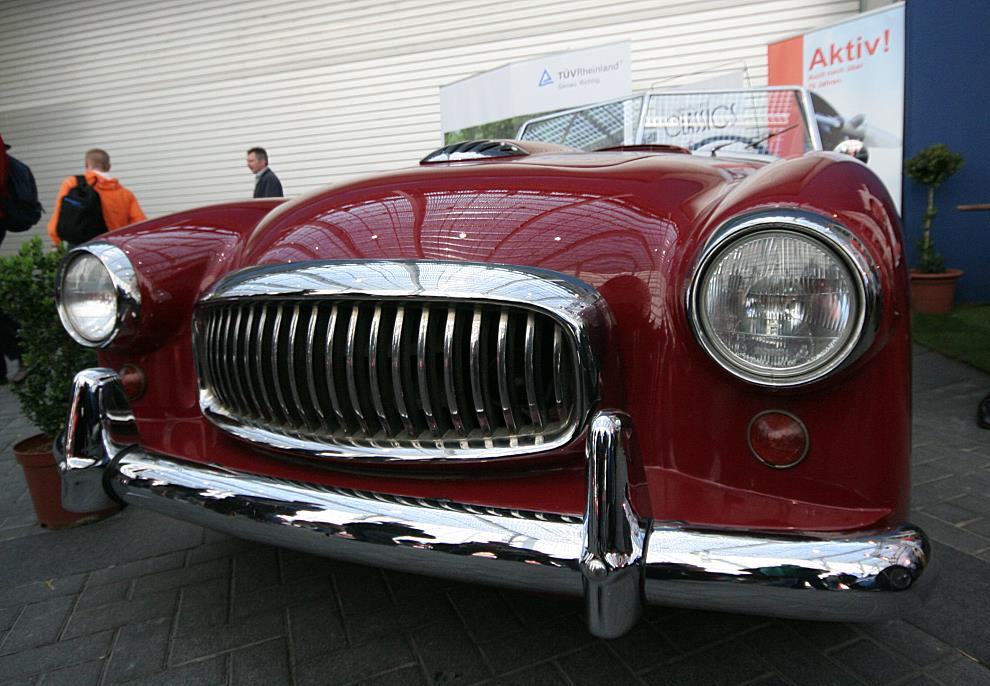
(777, 439)
(133, 380)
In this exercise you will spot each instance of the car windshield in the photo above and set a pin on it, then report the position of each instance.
(766, 121)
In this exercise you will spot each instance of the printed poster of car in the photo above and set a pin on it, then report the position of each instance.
(855, 71)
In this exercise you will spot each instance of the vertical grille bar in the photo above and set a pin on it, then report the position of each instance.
(259, 362)
(210, 354)
(448, 371)
(276, 354)
(311, 368)
(232, 345)
(376, 393)
(502, 360)
(421, 361)
(223, 343)
(351, 348)
(330, 374)
(400, 396)
(292, 369)
(477, 392)
(532, 399)
(249, 381)
(559, 380)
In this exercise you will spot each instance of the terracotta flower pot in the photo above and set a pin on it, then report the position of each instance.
(934, 293)
(35, 456)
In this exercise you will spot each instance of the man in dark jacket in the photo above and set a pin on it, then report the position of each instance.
(266, 184)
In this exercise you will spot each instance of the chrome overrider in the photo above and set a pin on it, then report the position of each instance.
(612, 556)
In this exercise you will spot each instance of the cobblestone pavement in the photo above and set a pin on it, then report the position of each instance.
(139, 598)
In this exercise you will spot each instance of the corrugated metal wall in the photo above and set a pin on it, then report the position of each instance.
(177, 90)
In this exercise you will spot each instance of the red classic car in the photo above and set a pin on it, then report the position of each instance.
(673, 373)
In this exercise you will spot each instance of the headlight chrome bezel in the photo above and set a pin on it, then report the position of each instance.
(833, 237)
(123, 277)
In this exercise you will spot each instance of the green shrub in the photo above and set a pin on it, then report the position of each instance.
(930, 168)
(27, 293)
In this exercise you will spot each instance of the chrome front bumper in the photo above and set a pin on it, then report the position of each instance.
(614, 558)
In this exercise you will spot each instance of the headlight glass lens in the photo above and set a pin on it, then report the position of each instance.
(89, 298)
(779, 304)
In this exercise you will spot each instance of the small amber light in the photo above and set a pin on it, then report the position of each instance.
(133, 380)
(777, 439)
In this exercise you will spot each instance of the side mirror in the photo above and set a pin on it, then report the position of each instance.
(854, 148)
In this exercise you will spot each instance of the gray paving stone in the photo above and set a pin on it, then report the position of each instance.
(54, 656)
(202, 605)
(795, 659)
(85, 674)
(697, 630)
(871, 663)
(131, 570)
(256, 568)
(211, 672)
(734, 663)
(297, 592)
(536, 644)
(547, 674)
(911, 642)
(38, 623)
(267, 663)
(150, 606)
(224, 638)
(316, 629)
(643, 647)
(356, 663)
(141, 650)
(183, 576)
(95, 596)
(485, 613)
(448, 655)
(962, 671)
(404, 676)
(36, 591)
(596, 665)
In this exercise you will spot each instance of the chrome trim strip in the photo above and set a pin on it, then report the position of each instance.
(611, 556)
(349, 352)
(448, 371)
(862, 267)
(230, 370)
(314, 396)
(476, 386)
(421, 372)
(331, 378)
(502, 361)
(124, 279)
(559, 387)
(530, 369)
(376, 392)
(398, 330)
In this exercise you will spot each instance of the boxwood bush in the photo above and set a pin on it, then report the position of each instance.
(27, 293)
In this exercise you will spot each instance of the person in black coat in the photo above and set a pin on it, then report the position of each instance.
(266, 184)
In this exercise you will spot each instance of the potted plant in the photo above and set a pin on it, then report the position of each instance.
(933, 286)
(27, 291)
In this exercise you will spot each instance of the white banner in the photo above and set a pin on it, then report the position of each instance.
(551, 82)
(855, 71)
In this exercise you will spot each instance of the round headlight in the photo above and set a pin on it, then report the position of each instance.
(96, 294)
(781, 305)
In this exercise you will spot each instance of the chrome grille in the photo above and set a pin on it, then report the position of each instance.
(383, 360)
(389, 373)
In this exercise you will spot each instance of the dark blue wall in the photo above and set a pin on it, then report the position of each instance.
(946, 101)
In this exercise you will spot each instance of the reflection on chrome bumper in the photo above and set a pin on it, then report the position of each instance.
(612, 557)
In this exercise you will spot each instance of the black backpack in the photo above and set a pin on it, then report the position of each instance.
(21, 209)
(80, 216)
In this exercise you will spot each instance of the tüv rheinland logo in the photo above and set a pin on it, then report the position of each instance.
(545, 79)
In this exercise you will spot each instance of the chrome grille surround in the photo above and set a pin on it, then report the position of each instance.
(400, 360)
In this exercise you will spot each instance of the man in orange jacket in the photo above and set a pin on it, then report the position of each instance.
(119, 205)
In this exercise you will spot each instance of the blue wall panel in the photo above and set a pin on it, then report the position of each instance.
(946, 101)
